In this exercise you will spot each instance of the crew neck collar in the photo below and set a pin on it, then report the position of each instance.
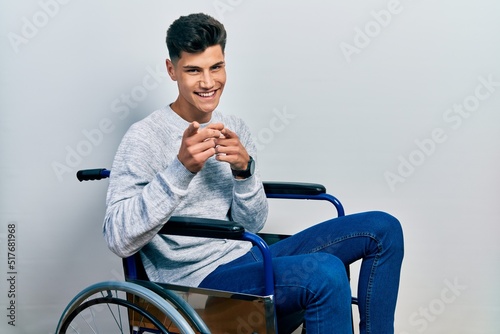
(181, 122)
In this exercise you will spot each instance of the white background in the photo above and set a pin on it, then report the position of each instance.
(341, 93)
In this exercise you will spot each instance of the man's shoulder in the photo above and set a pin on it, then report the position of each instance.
(159, 118)
(146, 129)
(154, 117)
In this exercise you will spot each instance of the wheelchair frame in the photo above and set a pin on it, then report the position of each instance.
(151, 300)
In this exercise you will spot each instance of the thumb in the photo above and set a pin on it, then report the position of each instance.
(228, 133)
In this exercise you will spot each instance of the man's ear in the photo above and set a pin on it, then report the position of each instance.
(171, 69)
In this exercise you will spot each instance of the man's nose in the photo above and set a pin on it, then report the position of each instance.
(207, 81)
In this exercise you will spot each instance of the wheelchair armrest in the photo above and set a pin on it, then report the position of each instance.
(202, 227)
(214, 228)
(272, 238)
(295, 188)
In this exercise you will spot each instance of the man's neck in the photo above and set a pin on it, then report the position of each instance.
(189, 113)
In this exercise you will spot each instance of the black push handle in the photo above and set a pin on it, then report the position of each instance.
(92, 174)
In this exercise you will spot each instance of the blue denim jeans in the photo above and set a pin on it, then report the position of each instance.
(311, 284)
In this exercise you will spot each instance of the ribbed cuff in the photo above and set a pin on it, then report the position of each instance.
(178, 176)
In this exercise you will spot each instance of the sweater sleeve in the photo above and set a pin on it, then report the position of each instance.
(249, 205)
(140, 199)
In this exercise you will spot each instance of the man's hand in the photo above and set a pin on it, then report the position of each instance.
(198, 145)
(229, 149)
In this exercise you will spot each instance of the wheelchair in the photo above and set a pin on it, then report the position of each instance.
(139, 305)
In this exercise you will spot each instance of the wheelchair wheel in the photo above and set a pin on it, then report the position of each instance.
(121, 307)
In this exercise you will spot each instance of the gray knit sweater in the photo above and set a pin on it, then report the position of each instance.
(148, 184)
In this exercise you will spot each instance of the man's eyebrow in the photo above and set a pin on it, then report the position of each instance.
(190, 67)
(194, 67)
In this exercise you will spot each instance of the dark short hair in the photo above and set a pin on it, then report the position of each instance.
(194, 34)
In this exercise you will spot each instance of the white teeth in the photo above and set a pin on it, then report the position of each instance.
(207, 94)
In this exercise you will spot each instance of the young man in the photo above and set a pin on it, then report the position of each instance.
(188, 159)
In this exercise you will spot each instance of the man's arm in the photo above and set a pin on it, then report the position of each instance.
(139, 202)
(143, 193)
(249, 206)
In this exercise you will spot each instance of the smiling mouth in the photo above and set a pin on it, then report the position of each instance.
(207, 94)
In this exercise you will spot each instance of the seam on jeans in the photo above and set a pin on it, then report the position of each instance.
(343, 238)
(370, 287)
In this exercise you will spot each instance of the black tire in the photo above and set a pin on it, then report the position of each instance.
(120, 307)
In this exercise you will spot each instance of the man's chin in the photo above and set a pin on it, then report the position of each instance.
(208, 107)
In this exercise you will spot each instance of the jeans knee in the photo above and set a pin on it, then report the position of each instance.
(330, 274)
(390, 227)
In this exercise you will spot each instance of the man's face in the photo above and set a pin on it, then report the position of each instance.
(200, 78)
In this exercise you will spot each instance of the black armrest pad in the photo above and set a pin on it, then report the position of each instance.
(202, 227)
(288, 188)
(272, 238)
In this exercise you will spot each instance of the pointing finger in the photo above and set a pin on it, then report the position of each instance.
(192, 129)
